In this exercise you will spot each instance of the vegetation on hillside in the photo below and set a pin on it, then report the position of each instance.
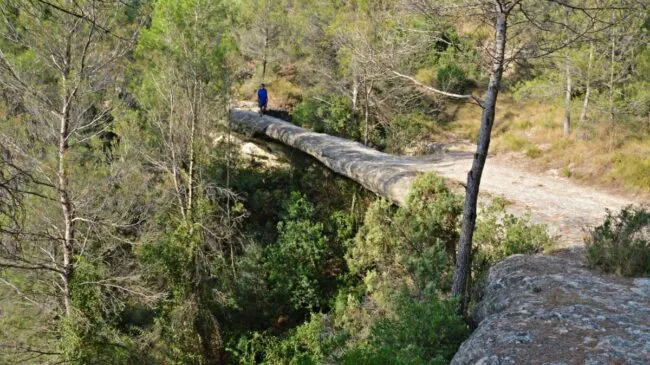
(363, 67)
(131, 231)
(337, 76)
(622, 243)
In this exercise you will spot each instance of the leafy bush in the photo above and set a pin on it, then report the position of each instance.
(296, 263)
(415, 242)
(499, 234)
(533, 151)
(304, 114)
(622, 243)
(198, 283)
(426, 75)
(85, 333)
(404, 129)
(332, 116)
(514, 142)
(310, 343)
(543, 87)
(423, 331)
(404, 260)
(284, 92)
(452, 78)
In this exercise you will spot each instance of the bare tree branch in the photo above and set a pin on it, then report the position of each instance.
(434, 90)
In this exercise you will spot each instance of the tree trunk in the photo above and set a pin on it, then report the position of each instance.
(266, 42)
(190, 182)
(172, 149)
(463, 257)
(355, 92)
(194, 112)
(365, 134)
(567, 98)
(585, 104)
(66, 209)
(266, 39)
(611, 79)
(65, 201)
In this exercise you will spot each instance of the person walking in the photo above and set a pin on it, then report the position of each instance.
(262, 98)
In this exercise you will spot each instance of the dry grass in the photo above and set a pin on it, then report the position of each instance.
(594, 153)
(283, 94)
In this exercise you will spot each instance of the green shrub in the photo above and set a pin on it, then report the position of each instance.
(622, 243)
(433, 205)
(452, 78)
(403, 257)
(310, 343)
(424, 330)
(285, 92)
(304, 114)
(499, 234)
(85, 333)
(415, 242)
(296, 263)
(404, 129)
(251, 349)
(533, 151)
(540, 88)
(333, 116)
(514, 142)
(426, 75)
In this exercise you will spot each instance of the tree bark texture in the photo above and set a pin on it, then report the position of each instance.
(585, 104)
(611, 78)
(65, 201)
(464, 253)
(567, 98)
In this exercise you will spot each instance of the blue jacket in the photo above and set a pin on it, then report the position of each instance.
(262, 96)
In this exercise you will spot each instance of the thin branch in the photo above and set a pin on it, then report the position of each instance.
(19, 293)
(85, 18)
(31, 267)
(432, 89)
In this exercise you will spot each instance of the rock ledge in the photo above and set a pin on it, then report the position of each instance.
(551, 310)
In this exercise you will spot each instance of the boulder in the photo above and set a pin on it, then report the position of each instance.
(551, 310)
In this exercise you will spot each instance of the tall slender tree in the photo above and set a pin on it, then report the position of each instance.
(60, 64)
(262, 39)
(528, 28)
(182, 85)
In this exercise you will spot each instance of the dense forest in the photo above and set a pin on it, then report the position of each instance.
(133, 229)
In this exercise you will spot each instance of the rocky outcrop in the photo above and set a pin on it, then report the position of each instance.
(551, 310)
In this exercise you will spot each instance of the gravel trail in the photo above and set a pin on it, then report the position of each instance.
(566, 207)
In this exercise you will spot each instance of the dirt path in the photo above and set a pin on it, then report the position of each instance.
(558, 202)
(567, 208)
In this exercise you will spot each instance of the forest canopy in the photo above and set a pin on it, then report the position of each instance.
(134, 230)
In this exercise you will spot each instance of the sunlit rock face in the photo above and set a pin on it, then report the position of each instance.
(551, 310)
